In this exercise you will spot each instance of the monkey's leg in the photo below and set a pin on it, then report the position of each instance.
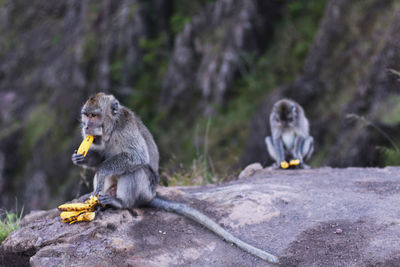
(308, 147)
(297, 153)
(271, 149)
(107, 181)
(276, 151)
(133, 189)
(302, 150)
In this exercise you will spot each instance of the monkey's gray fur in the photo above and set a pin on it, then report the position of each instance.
(290, 133)
(125, 158)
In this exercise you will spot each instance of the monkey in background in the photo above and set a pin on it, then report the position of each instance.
(290, 144)
(125, 159)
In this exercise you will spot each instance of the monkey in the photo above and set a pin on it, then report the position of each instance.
(291, 143)
(125, 159)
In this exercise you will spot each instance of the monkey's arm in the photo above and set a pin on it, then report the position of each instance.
(303, 148)
(92, 159)
(297, 148)
(279, 150)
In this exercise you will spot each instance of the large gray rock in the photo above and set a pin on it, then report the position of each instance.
(319, 217)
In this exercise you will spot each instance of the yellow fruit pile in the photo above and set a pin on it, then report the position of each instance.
(79, 212)
(292, 163)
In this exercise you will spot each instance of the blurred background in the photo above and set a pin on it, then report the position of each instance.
(202, 75)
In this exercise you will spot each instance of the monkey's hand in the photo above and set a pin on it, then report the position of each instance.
(284, 165)
(294, 162)
(78, 159)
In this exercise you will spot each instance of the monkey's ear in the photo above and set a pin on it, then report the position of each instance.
(114, 108)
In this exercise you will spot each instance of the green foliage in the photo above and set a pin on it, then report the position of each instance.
(389, 110)
(38, 125)
(116, 71)
(147, 87)
(392, 156)
(183, 12)
(153, 49)
(177, 22)
(201, 170)
(9, 223)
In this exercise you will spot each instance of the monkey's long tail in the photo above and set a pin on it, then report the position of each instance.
(211, 225)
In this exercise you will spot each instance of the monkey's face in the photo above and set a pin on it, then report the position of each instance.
(98, 117)
(92, 124)
(285, 115)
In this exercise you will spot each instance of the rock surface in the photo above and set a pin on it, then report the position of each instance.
(319, 217)
(250, 170)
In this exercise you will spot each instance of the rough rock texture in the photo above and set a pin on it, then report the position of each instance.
(318, 217)
(352, 68)
(212, 49)
(250, 170)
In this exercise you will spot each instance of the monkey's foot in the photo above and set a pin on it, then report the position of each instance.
(294, 162)
(284, 165)
(108, 200)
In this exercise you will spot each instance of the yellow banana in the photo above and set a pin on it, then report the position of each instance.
(79, 212)
(85, 145)
(87, 216)
(75, 207)
(294, 162)
(284, 165)
(77, 216)
(89, 205)
(70, 216)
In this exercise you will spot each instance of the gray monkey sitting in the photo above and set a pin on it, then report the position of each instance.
(125, 158)
(290, 144)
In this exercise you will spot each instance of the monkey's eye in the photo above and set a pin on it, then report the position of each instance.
(91, 115)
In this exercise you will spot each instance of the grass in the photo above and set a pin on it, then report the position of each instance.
(9, 223)
(201, 171)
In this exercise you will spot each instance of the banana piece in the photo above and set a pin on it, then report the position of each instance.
(85, 145)
(89, 205)
(76, 207)
(284, 165)
(70, 216)
(87, 216)
(79, 212)
(294, 162)
(77, 216)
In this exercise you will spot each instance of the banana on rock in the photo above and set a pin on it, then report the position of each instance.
(79, 212)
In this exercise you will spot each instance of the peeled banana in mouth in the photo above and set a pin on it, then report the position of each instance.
(85, 145)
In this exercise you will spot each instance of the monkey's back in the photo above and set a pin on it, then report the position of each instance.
(151, 145)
